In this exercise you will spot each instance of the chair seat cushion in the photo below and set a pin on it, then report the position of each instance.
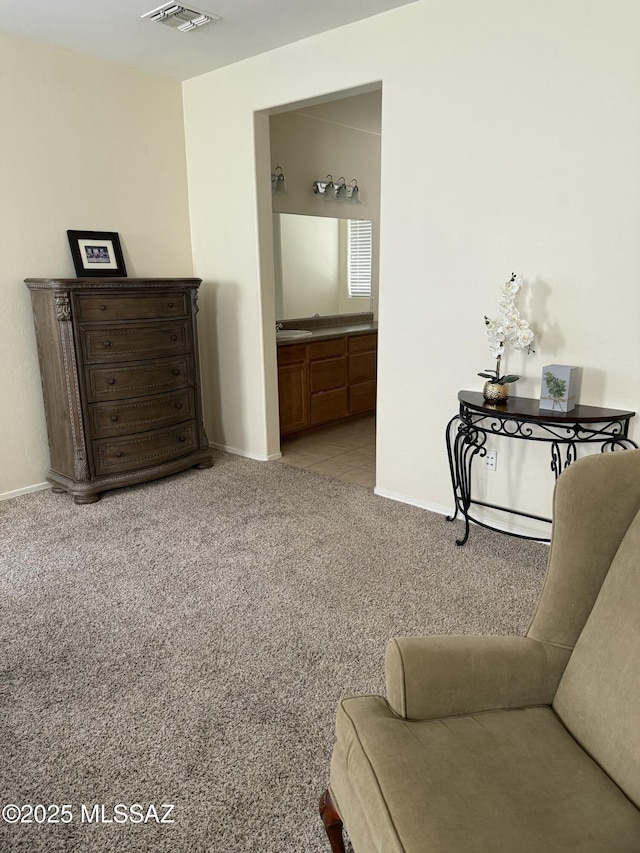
(507, 780)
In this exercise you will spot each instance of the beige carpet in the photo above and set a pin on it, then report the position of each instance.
(186, 642)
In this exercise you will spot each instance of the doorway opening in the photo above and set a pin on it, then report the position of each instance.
(327, 382)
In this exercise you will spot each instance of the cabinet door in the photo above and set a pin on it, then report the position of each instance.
(294, 397)
(362, 398)
(362, 367)
(329, 406)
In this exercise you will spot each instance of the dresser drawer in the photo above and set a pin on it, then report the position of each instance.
(131, 306)
(126, 343)
(118, 382)
(122, 418)
(150, 448)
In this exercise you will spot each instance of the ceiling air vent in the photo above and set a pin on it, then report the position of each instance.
(183, 18)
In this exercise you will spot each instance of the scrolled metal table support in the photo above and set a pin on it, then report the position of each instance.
(520, 418)
(468, 443)
(570, 455)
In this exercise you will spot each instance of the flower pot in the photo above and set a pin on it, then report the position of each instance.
(494, 392)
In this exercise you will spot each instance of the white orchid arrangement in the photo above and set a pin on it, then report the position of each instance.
(508, 330)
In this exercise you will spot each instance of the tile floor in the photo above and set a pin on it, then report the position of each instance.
(343, 452)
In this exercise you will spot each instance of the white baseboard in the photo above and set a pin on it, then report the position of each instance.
(448, 510)
(405, 499)
(38, 487)
(258, 457)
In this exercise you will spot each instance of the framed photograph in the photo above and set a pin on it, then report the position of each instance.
(96, 253)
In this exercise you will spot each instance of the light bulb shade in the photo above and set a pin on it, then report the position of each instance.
(339, 189)
(353, 192)
(323, 188)
(278, 181)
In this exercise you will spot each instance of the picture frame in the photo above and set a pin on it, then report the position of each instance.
(96, 253)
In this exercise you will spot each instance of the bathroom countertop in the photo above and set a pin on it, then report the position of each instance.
(322, 333)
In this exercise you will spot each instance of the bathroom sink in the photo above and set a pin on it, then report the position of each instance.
(289, 334)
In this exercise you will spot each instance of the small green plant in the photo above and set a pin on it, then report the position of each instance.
(556, 387)
(495, 377)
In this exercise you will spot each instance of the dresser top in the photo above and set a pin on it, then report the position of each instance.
(110, 283)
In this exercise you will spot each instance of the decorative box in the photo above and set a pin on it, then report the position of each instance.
(559, 387)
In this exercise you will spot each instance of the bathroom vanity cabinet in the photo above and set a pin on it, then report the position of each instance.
(120, 379)
(325, 381)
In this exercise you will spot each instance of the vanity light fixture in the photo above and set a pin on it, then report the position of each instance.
(338, 190)
(183, 18)
(278, 181)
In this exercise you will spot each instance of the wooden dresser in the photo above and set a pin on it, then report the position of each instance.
(120, 379)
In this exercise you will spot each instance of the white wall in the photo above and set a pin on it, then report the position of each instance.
(510, 139)
(84, 145)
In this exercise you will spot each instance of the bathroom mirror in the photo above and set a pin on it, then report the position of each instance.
(311, 266)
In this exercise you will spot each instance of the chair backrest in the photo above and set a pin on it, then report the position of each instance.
(598, 698)
(595, 501)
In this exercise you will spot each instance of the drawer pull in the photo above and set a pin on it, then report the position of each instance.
(111, 381)
(106, 343)
(119, 454)
(115, 418)
(178, 405)
(183, 438)
(103, 307)
(170, 304)
(174, 337)
(176, 372)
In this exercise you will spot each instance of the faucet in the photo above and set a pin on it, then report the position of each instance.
(279, 327)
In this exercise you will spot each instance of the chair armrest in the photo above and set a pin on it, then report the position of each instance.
(443, 676)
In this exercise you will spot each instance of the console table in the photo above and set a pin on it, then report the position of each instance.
(522, 418)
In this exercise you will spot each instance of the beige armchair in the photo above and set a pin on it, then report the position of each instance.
(513, 744)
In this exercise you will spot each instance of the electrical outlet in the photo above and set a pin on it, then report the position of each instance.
(491, 460)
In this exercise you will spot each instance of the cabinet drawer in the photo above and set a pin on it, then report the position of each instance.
(291, 354)
(144, 450)
(131, 306)
(138, 379)
(327, 349)
(362, 367)
(109, 419)
(361, 343)
(125, 343)
(328, 374)
(328, 406)
(362, 398)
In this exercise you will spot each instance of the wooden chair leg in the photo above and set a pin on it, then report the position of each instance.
(332, 823)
